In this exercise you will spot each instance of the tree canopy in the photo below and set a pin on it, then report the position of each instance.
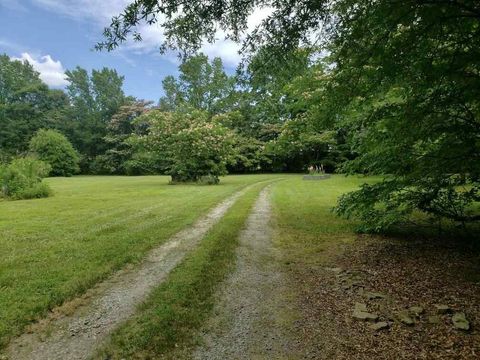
(26, 105)
(201, 85)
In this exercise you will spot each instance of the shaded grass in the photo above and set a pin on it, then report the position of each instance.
(166, 323)
(56, 248)
(305, 224)
(311, 235)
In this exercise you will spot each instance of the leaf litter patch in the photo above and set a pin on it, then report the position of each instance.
(387, 298)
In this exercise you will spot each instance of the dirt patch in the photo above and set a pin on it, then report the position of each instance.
(406, 276)
(76, 329)
(248, 320)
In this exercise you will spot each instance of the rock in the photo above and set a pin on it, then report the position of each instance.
(434, 319)
(374, 295)
(361, 313)
(381, 325)
(443, 309)
(460, 322)
(336, 270)
(416, 310)
(361, 307)
(404, 317)
(364, 316)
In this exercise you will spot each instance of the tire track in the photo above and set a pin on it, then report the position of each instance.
(111, 302)
(248, 319)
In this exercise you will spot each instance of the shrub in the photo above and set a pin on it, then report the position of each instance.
(22, 179)
(54, 148)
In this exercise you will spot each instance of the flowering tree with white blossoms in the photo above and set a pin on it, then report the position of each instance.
(193, 147)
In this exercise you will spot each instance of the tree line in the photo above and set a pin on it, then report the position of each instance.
(105, 126)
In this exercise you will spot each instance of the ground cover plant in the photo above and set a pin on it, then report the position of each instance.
(61, 246)
(166, 325)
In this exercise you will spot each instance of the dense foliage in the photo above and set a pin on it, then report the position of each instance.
(190, 146)
(26, 105)
(95, 98)
(415, 109)
(120, 157)
(53, 148)
(22, 179)
(201, 85)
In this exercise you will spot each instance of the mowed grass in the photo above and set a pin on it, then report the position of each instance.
(166, 325)
(56, 248)
(306, 228)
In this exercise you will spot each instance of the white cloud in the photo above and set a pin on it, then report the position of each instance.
(229, 50)
(51, 72)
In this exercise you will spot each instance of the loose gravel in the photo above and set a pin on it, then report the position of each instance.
(248, 318)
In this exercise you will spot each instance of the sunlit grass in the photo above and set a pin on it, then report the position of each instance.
(165, 326)
(56, 248)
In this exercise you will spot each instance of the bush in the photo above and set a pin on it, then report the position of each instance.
(54, 148)
(202, 180)
(22, 179)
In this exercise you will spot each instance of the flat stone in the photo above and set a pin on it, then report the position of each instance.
(434, 319)
(460, 322)
(405, 318)
(443, 309)
(381, 325)
(364, 316)
(416, 310)
(374, 295)
(361, 307)
(361, 313)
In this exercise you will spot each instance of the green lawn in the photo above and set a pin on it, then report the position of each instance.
(306, 225)
(166, 324)
(56, 248)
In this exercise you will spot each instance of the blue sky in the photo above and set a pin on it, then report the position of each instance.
(56, 35)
